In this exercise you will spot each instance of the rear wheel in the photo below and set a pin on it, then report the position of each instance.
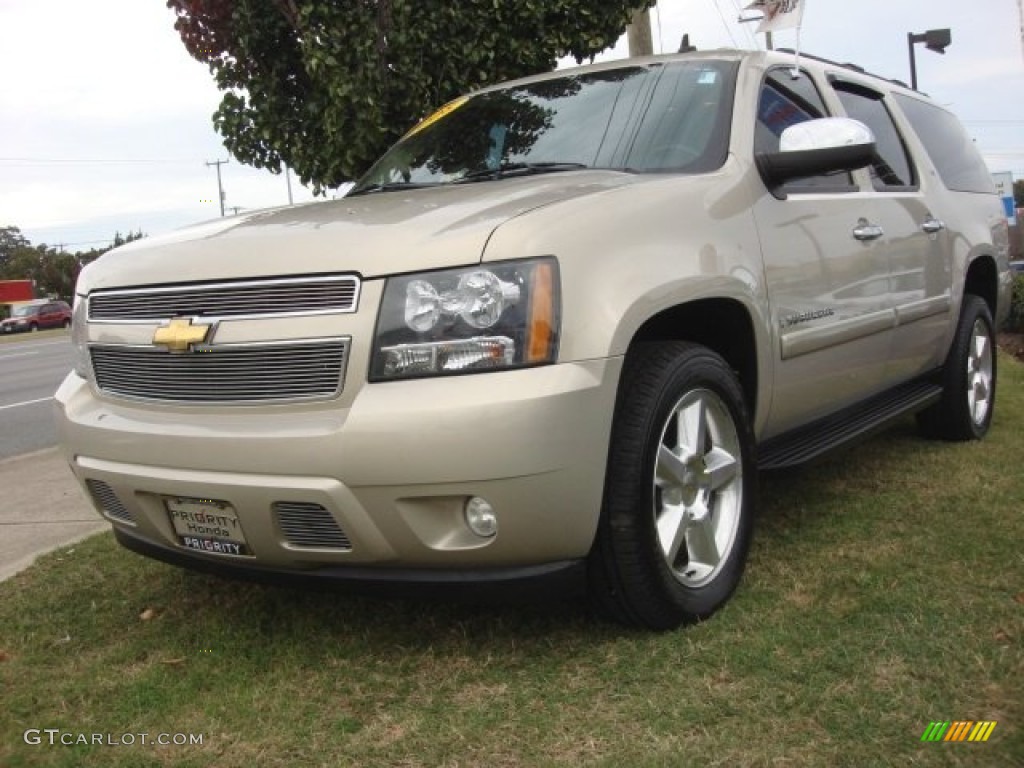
(968, 379)
(679, 494)
(66, 323)
(33, 327)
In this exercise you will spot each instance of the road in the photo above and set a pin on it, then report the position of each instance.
(30, 371)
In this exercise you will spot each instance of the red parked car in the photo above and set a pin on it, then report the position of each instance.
(41, 314)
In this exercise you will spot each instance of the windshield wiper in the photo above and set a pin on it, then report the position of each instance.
(389, 186)
(517, 169)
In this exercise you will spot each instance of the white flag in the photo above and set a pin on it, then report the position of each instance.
(778, 14)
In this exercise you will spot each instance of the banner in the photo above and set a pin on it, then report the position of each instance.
(778, 14)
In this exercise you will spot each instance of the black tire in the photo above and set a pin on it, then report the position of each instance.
(633, 577)
(968, 379)
(66, 324)
(33, 327)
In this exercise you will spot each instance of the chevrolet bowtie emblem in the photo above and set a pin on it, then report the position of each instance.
(179, 334)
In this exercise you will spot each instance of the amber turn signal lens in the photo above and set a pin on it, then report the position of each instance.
(540, 326)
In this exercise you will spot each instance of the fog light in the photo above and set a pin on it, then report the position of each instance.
(480, 517)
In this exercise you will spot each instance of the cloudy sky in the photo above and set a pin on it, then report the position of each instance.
(105, 120)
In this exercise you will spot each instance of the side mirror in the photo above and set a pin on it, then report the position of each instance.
(817, 147)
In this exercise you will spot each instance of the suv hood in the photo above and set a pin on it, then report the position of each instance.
(374, 235)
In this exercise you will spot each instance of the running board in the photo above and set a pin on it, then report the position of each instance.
(811, 440)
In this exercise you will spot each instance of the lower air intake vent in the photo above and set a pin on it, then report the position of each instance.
(309, 525)
(105, 498)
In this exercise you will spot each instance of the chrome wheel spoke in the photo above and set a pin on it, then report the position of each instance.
(692, 423)
(672, 531)
(721, 467)
(702, 545)
(670, 469)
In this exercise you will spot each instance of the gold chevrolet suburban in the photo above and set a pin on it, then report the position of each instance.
(554, 332)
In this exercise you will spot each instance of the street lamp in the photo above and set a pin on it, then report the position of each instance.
(934, 40)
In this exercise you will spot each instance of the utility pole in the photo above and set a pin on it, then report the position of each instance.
(220, 189)
(288, 179)
(1020, 13)
(638, 34)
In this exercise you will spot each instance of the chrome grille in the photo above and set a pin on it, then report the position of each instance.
(105, 498)
(242, 373)
(309, 525)
(254, 298)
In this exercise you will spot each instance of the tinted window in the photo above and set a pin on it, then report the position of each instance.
(893, 168)
(786, 101)
(685, 120)
(673, 117)
(956, 158)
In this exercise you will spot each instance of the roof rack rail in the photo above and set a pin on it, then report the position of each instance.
(844, 65)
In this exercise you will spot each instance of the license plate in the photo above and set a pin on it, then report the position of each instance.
(207, 525)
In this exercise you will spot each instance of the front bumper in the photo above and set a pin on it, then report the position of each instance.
(391, 471)
(531, 582)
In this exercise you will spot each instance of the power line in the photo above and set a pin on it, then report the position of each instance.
(69, 161)
(728, 29)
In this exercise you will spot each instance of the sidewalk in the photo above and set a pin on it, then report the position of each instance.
(42, 509)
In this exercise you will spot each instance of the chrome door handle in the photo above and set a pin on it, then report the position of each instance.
(932, 225)
(866, 231)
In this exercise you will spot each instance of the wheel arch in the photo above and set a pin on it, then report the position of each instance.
(721, 324)
(982, 280)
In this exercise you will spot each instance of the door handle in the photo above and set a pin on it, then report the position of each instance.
(865, 231)
(933, 226)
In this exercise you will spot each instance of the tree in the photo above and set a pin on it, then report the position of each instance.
(11, 242)
(325, 87)
(54, 272)
(1018, 193)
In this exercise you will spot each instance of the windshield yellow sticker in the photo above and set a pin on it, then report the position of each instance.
(444, 111)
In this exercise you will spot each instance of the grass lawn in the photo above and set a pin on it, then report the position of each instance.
(885, 590)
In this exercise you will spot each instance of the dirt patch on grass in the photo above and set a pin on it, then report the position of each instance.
(1012, 343)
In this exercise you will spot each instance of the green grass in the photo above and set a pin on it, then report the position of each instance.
(885, 590)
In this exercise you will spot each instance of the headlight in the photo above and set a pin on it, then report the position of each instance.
(488, 317)
(80, 335)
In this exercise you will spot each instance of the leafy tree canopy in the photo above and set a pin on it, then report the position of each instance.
(52, 270)
(325, 86)
(1018, 193)
(11, 241)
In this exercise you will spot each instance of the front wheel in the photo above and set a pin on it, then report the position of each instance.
(679, 491)
(968, 379)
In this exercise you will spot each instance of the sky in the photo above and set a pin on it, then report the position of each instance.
(105, 120)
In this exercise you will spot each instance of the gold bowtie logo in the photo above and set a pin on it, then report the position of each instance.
(179, 334)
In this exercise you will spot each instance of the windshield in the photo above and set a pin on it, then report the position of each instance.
(23, 311)
(665, 117)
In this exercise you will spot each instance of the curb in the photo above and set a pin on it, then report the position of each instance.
(44, 509)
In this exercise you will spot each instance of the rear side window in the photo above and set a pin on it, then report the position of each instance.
(892, 170)
(955, 157)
